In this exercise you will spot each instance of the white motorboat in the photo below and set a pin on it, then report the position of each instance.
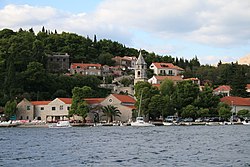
(60, 124)
(246, 122)
(140, 122)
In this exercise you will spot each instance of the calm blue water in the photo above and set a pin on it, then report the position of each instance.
(126, 146)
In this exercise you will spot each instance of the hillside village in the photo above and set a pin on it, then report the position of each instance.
(128, 80)
(58, 109)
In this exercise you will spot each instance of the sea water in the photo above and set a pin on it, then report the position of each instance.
(126, 146)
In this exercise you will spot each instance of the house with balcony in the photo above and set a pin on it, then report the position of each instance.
(126, 61)
(86, 69)
(166, 69)
(223, 90)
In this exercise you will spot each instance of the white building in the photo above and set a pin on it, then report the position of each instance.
(166, 69)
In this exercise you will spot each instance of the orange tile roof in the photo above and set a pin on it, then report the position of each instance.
(192, 79)
(66, 100)
(167, 65)
(124, 98)
(238, 101)
(223, 88)
(94, 100)
(173, 78)
(156, 85)
(35, 103)
(83, 65)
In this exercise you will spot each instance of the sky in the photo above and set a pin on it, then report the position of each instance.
(212, 30)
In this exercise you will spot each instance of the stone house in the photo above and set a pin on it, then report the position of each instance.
(126, 61)
(166, 69)
(58, 62)
(44, 110)
(86, 69)
(124, 103)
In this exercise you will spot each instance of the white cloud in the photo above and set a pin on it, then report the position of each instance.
(220, 23)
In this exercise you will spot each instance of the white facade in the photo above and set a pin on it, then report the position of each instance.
(165, 69)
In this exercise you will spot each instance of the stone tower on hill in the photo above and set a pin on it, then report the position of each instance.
(140, 69)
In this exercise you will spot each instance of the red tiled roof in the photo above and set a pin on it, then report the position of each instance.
(124, 98)
(167, 65)
(173, 78)
(156, 85)
(83, 65)
(66, 100)
(94, 100)
(223, 88)
(35, 103)
(248, 86)
(192, 79)
(238, 101)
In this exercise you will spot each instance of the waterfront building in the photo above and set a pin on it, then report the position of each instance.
(58, 109)
(237, 103)
(124, 103)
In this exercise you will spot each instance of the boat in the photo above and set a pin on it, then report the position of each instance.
(170, 121)
(7, 124)
(60, 124)
(139, 120)
(246, 122)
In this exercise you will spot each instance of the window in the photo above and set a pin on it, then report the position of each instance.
(42, 108)
(138, 73)
(28, 107)
(64, 59)
(68, 108)
(61, 107)
(21, 117)
(27, 117)
(170, 72)
(53, 108)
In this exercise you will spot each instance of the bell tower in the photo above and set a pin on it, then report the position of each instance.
(140, 69)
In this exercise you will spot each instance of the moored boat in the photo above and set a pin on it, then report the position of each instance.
(60, 124)
(140, 122)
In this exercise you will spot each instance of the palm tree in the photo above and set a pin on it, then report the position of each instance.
(110, 111)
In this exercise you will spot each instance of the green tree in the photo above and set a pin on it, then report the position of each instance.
(78, 97)
(243, 113)
(82, 109)
(167, 87)
(203, 112)
(106, 59)
(144, 91)
(10, 108)
(206, 99)
(189, 111)
(185, 94)
(224, 110)
(110, 112)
